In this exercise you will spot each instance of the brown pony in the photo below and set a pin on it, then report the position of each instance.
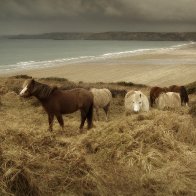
(155, 92)
(182, 91)
(57, 102)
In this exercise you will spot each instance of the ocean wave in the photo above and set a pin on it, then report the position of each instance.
(143, 51)
(25, 65)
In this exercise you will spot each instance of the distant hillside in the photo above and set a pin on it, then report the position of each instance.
(144, 36)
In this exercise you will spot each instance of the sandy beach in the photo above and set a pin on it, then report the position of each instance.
(161, 67)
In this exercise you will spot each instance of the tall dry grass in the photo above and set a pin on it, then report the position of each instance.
(142, 154)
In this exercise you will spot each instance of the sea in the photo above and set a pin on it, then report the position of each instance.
(24, 54)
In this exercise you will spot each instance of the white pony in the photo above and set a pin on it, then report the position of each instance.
(136, 101)
(168, 100)
(102, 99)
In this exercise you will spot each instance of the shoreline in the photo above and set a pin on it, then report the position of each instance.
(155, 67)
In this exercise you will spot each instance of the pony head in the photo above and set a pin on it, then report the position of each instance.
(137, 101)
(27, 88)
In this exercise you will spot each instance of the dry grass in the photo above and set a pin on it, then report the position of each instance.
(191, 88)
(143, 154)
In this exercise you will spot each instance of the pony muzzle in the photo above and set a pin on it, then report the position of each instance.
(136, 109)
(22, 92)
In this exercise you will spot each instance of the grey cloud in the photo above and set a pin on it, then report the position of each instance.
(163, 10)
(100, 14)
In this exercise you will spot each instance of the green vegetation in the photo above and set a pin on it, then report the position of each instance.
(142, 154)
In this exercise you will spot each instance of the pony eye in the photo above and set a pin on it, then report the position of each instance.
(140, 102)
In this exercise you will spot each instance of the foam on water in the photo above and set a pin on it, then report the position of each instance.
(140, 51)
(24, 65)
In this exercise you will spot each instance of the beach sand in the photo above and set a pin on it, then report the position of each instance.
(161, 67)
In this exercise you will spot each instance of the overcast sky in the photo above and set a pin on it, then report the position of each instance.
(39, 16)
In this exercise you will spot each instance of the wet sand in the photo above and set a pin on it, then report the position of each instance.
(162, 67)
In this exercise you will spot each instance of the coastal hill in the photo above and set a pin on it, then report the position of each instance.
(143, 36)
(149, 153)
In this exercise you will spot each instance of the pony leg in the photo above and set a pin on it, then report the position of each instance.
(89, 116)
(97, 114)
(83, 118)
(106, 109)
(50, 121)
(152, 101)
(60, 120)
(182, 100)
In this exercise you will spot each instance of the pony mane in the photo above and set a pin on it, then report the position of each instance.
(43, 91)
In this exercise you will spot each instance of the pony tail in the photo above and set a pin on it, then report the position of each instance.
(90, 116)
(184, 95)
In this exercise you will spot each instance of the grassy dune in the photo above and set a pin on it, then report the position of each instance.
(142, 154)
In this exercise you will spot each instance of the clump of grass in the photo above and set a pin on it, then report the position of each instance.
(118, 92)
(62, 83)
(146, 151)
(122, 83)
(40, 165)
(130, 84)
(192, 109)
(3, 90)
(13, 84)
(22, 77)
(55, 79)
(191, 88)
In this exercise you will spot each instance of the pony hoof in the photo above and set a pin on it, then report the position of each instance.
(91, 126)
(61, 131)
